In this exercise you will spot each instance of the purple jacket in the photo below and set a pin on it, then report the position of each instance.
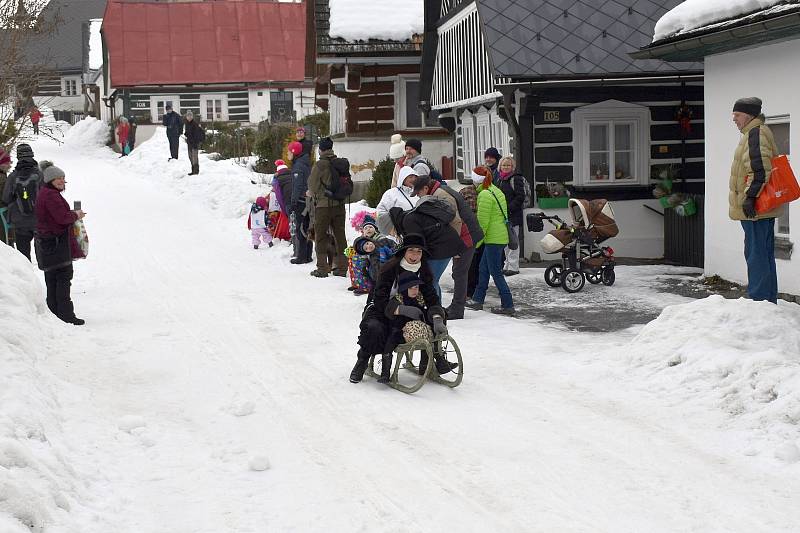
(54, 217)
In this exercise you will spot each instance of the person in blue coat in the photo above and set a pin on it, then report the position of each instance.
(174, 124)
(301, 168)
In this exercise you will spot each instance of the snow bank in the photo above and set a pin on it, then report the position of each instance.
(359, 20)
(37, 485)
(89, 132)
(738, 356)
(693, 14)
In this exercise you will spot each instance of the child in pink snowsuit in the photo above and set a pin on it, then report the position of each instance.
(258, 223)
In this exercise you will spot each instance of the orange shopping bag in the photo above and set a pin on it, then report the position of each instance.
(781, 188)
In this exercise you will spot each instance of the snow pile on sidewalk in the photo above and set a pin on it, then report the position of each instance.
(693, 14)
(738, 356)
(37, 485)
(222, 185)
(356, 20)
(89, 132)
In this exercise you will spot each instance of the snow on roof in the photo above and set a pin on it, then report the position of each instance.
(95, 44)
(695, 14)
(387, 20)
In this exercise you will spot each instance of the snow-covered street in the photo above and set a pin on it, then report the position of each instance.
(202, 357)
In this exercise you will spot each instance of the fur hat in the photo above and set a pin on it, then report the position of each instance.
(750, 105)
(416, 144)
(396, 148)
(359, 244)
(280, 164)
(492, 152)
(406, 280)
(5, 159)
(326, 144)
(24, 151)
(295, 148)
(50, 171)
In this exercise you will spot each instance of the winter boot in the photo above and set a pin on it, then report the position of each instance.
(255, 247)
(357, 374)
(454, 313)
(508, 311)
(423, 363)
(386, 368)
(271, 244)
(443, 366)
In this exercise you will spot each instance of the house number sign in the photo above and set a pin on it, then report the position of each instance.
(141, 105)
(552, 116)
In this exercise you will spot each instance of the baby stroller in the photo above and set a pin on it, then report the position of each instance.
(582, 257)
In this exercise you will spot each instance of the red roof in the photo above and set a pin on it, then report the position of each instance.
(215, 41)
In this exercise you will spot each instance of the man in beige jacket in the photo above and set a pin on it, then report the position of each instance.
(752, 164)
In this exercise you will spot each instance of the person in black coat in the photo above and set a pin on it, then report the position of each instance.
(301, 169)
(24, 181)
(308, 146)
(430, 218)
(512, 183)
(174, 124)
(382, 307)
(195, 135)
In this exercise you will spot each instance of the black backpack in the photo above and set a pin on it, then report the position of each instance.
(341, 186)
(25, 191)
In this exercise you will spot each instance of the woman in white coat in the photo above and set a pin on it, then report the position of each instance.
(399, 196)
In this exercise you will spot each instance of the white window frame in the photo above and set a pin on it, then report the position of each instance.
(204, 98)
(70, 82)
(176, 105)
(499, 130)
(771, 121)
(483, 133)
(338, 114)
(612, 112)
(468, 141)
(400, 104)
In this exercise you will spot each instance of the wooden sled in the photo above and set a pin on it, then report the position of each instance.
(444, 346)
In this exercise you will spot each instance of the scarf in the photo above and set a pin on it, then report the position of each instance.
(504, 175)
(405, 265)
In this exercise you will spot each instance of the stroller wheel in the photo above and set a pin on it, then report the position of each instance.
(608, 276)
(594, 277)
(552, 276)
(573, 280)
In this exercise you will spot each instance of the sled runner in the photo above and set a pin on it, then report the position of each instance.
(443, 347)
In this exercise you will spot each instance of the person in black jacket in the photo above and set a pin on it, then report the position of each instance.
(308, 146)
(382, 308)
(301, 168)
(19, 193)
(512, 183)
(430, 218)
(172, 121)
(194, 137)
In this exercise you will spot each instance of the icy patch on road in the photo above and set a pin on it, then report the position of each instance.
(37, 483)
(738, 356)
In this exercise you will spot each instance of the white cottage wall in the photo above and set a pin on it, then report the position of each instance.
(767, 72)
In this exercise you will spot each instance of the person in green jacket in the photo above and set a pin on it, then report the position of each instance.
(492, 216)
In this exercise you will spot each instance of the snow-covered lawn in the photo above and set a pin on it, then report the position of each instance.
(208, 392)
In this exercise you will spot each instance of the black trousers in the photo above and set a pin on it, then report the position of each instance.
(375, 330)
(58, 283)
(173, 145)
(473, 271)
(303, 248)
(22, 239)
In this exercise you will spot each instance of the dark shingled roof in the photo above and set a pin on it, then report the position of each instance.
(63, 50)
(547, 39)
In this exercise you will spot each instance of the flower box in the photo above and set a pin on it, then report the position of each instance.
(553, 203)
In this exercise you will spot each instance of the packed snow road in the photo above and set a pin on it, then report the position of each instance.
(201, 356)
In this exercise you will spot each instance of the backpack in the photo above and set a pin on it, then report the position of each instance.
(341, 186)
(201, 134)
(528, 193)
(435, 174)
(25, 191)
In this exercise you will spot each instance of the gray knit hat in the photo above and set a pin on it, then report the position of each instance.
(50, 171)
(750, 105)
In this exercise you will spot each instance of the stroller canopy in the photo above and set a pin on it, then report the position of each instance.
(595, 215)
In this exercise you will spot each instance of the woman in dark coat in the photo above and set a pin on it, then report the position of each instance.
(410, 258)
(55, 245)
(512, 183)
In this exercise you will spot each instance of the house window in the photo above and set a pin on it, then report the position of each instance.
(70, 87)
(338, 111)
(408, 115)
(214, 107)
(612, 144)
(468, 142)
(500, 138)
(483, 133)
(158, 105)
(780, 130)
(281, 106)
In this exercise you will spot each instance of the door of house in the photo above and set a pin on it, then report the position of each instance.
(281, 106)
(158, 106)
